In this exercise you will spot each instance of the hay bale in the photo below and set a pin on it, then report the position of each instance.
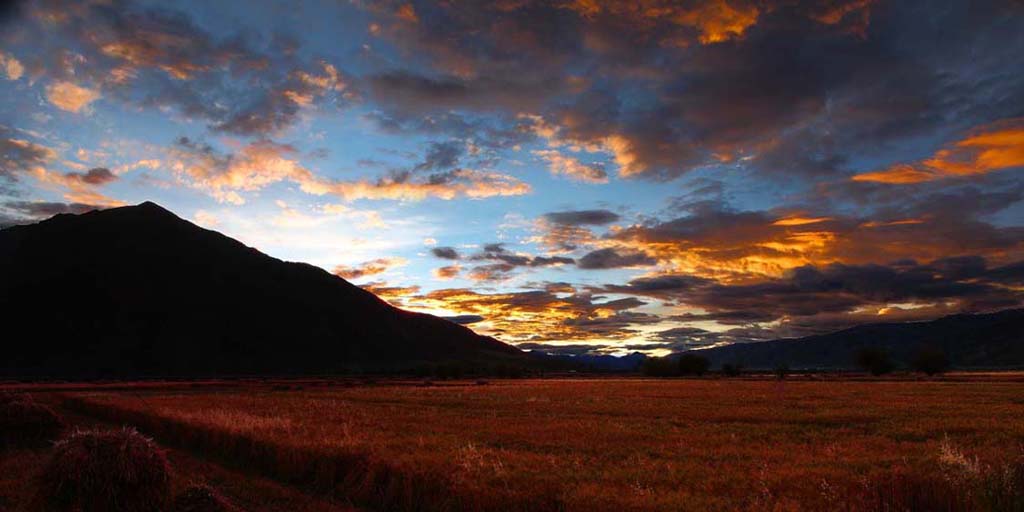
(26, 423)
(105, 470)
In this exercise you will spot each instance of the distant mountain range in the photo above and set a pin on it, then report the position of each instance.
(138, 292)
(993, 340)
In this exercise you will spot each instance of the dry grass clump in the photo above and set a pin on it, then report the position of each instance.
(953, 482)
(26, 423)
(202, 498)
(105, 470)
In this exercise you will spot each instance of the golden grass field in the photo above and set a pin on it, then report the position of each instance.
(583, 445)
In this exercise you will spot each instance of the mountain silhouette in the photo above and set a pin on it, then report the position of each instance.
(991, 340)
(137, 291)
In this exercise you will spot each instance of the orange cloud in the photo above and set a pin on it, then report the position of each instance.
(369, 268)
(560, 164)
(448, 272)
(11, 67)
(555, 314)
(800, 221)
(71, 97)
(991, 148)
(263, 163)
(719, 20)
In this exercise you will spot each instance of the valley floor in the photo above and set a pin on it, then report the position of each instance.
(568, 444)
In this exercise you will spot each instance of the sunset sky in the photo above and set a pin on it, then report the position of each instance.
(578, 176)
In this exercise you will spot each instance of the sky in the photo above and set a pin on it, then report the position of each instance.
(577, 176)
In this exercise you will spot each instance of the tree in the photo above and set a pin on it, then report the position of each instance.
(781, 371)
(732, 369)
(693, 364)
(874, 360)
(660, 367)
(930, 361)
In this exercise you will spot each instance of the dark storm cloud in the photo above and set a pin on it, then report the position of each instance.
(447, 253)
(582, 217)
(800, 87)
(613, 258)
(809, 291)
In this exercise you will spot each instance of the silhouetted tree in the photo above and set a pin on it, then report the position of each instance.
(874, 360)
(930, 361)
(660, 367)
(781, 371)
(732, 369)
(693, 364)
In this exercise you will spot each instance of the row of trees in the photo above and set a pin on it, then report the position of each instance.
(877, 361)
(927, 360)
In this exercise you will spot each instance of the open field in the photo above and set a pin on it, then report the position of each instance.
(714, 444)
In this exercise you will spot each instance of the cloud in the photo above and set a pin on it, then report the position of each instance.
(35, 210)
(264, 162)
(94, 176)
(665, 89)
(573, 168)
(159, 58)
(537, 315)
(369, 268)
(448, 272)
(582, 217)
(448, 253)
(612, 258)
(11, 67)
(990, 148)
(71, 97)
(568, 230)
(828, 297)
(441, 156)
(81, 187)
(18, 156)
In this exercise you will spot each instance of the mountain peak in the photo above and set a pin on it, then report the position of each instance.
(161, 296)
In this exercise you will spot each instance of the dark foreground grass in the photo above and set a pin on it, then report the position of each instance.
(605, 445)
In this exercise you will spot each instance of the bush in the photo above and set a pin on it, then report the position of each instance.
(874, 360)
(660, 367)
(953, 482)
(781, 371)
(111, 470)
(930, 361)
(25, 423)
(732, 369)
(202, 498)
(693, 364)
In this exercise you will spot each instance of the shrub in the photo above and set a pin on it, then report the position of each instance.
(732, 369)
(109, 470)
(202, 498)
(693, 364)
(660, 367)
(25, 423)
(953, 482)
(781, 371)
(874, 360)
(930, 361)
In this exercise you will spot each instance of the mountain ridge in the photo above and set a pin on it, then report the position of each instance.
(982, 340)
(138, 291)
